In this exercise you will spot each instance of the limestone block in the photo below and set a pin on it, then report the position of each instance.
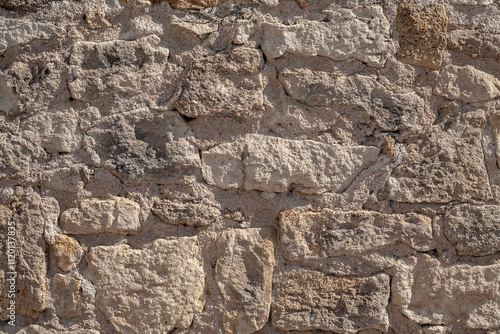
(186, 212)
(271, 164)
(495, 125)
(68, 300)
(151, 290)
(475, 44)
(472, 2)
(70, 179)
(96, 19)
(16, 156)
(67, 251)
(245, 261)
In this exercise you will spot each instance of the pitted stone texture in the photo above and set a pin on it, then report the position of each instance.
(472, 2)
(391, 111)
(151, 290)
(271, 164)
(96, 18)
(428, 292)
(466, 84)
(17, 155)
(71, 179)
(67, 251)
(93, 215)
(422, 34)
(473, 230)
(30, 266)
(142, 145)
(21, 32)
(188, 213)
(311, 237)
(495, 125)
(313, 300)
(56, 130)
(447, 164)
(14, 88)
(188, 4)
(109, 71)
(244, 271)
(68, 300)
(37, 329)
(229, 83)
(360, 33)
(475, 44)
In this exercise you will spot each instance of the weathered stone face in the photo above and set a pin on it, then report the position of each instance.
(422, 34)
(313, 300)
(182, 213)
(245, 261)
(475, 44)
(167, 276)
(68, 296)
(67, 251)
(428, 292)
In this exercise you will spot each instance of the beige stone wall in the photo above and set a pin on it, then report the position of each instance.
(265, 166)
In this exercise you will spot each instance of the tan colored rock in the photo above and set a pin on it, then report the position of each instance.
(229, 83)
(70, 179)
(473, 230)
(314, 236)
(151, 290)
(495, 125)
(422, 34)
(93, 215)
(186, 213)
(391, 111)
(271, 164)
(466, 84)
(362, 33)
(428, 292)
(313, 300)
(475, 44)
(68, 300)
(16, 156)
(444, 165)
(37, 329)
(472, 2)
(188, 4)
(96, 19)
(244, 271)
(201, 30)
(67, 251)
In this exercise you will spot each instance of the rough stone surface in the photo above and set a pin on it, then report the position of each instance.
(68, 300)
(93, 215)
(225, 83)
(245, 261)
(361, 33)
(466, 84)
(277, 165)
(186, 213)
(96, 19)
(473, 230)
(427, 292)
(495, 124)
(475, 44)
(69, 179)
(313, 300)
(167, 276)
(422, 34)
(67, 251)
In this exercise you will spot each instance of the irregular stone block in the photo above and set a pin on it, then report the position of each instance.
(244, 271)
(16, 157)
(466, 84)
(24, 218)
(96, 19)
(313, 300)
(473, 230)
(311, 237)
(20, 32)
(391, 111)
(68, 300)
(444, 165)
(271, 164)
(428, 292)
(422, 34)
(495, 125)
(201, 30)
(55, 130)
(223, 83)
(67, 251)
(186, 213)
(150, 290)
(472, 2)
(360, 33)
(14, 88)
(37, 329)
(141, 146)
(475, 44)
(70, 179)
(93, 215)
(188, 4)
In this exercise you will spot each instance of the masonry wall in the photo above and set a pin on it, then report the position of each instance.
(211, 166)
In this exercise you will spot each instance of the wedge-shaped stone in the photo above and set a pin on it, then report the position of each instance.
(271, 164)
(473, 230)
(360, 33)
(422, 34)
(466, 84)
(391, 111)
(151, 290)
(67, 251)
(244, 271)
(224, 83)
(315, 236)
(313, 300)
(428, 292)
(21, 32)
(447, 164)
(186, 212)
(93, 215)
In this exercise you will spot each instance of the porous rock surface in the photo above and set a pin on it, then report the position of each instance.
(250, 166)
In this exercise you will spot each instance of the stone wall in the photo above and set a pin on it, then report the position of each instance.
(266, 166)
